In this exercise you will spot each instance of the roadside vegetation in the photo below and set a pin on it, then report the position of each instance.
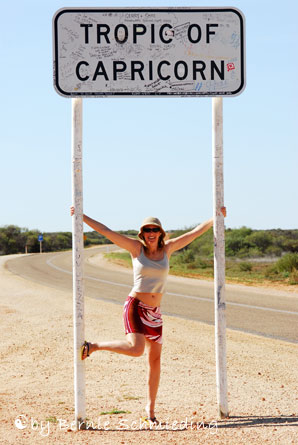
(252, 256)
(14, 239)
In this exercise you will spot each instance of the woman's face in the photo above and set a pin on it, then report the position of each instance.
(151, 235)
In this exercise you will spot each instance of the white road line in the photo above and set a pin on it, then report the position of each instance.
(49, 263)
(190, 297)
(86, 277)
(235, 304)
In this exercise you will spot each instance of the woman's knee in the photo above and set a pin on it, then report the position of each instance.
(137, 351)
(137, 345)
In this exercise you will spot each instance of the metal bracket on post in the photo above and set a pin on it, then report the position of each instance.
(77, 258)
(219, 257)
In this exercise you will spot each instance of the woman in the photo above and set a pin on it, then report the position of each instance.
(142, 317)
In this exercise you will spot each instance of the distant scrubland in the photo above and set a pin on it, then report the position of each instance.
(251, 255)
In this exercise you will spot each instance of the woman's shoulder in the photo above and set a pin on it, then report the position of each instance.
(138, 250)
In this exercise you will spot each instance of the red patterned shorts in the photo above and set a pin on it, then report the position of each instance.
(140, 318)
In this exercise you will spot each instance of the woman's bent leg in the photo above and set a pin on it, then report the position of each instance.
(133, 345)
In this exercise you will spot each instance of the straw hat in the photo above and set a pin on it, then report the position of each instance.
(151, 221)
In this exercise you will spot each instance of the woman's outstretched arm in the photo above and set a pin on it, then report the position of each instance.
(185, 239)
(132, 245)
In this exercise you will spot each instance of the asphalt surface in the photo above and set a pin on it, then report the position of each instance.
(259, 311)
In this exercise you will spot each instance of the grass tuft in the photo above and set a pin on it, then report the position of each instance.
(115, 411)
(52, 419)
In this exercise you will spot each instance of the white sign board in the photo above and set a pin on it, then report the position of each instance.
(149, 52)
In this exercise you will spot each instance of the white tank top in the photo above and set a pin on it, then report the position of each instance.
(150, 275)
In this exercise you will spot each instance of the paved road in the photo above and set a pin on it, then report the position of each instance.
(259, 311)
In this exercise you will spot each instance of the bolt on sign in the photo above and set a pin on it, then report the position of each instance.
(148, 52)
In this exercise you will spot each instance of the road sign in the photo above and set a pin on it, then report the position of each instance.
(149, 52)
(40, 238)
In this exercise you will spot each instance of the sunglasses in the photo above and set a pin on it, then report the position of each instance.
(148, 230)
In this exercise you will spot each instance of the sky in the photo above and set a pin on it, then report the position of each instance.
(149, 156)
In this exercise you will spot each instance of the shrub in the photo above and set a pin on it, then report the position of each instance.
(198, 264)
(288, 263)
(294, 277)
(191, 266)
(261, 239)
(188, 256)
(237, 240)
(202, 264)
(271, 272)
(274, 251)
(245, 267)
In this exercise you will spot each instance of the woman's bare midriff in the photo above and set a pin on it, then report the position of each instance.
(152, 299)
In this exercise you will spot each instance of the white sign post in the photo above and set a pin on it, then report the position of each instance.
(78, 251)
(219, 257)
(129, 52)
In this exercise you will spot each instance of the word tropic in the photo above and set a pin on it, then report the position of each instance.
(102, 33)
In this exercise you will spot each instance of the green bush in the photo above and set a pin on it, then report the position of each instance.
(202, 264)
(245, 267)
(294, 277)
(271, 272)
(260, 239)
(287, 263)
(188, 256)
(274, 251)
(236, 240)
(191, 266)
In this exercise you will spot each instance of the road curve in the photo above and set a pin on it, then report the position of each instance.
(258, 311)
